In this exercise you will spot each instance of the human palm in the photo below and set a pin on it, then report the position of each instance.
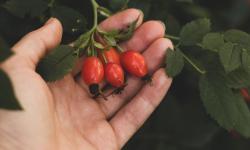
(62, 115)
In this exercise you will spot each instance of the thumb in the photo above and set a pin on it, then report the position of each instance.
(35, 44)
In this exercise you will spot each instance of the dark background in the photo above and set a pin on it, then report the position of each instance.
(180, 123)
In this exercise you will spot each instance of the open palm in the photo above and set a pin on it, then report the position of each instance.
(62, 115)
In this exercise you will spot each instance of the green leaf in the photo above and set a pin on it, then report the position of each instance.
(227, 108)
(110, 40)
(8, 99)
(238, 37)
(5, 51)
(98, 45)
(83, 40)
(213, 41)
(174, 62)
(193, 32)
(104, 11)
(127, 33)
(21, 8)
(57, 63)
(73, 22)
(238, 79)
(230, 57)
(246, 60)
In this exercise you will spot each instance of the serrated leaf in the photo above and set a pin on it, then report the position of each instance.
(193, 32)
(5, 51)
(82, 40)
(213, 41)
(8, 99)
(238, 37)
(111, 33)
(230, 57)
(126, 34)
(246, 60)
(58, 63)
(238, 79)
(73, 22)
(21, 8)
(174, 62)
(227, 108)
(110, 40)
(98, 45)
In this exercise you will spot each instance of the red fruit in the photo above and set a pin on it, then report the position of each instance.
(234, 134)
(114, 74)
(92, 71)
(245, 94)
(134, 63)
(111, 55)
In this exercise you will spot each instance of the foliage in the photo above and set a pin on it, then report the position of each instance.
(210, 63)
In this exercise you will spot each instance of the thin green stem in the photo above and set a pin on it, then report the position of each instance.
(119, 48)
(95, 11)
(193, 64)
(172, 37)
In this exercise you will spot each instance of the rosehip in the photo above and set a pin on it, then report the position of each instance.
(111, 56)
(134, 63)
(114, 74)
(92, 73)
(245, 94)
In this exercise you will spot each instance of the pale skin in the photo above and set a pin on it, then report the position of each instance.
(62, 115)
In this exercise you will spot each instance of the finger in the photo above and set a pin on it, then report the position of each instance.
(154, 57)
(145, 35)
(122, 19)
(118, 21)
(130, 118)
(33, 46)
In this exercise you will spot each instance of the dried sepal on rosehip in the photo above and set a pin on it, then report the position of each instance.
(93, 74)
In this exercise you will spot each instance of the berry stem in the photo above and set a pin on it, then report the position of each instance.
(95, 12)
(119, 48)
(193, 64)
(104, 58)
(172, 37)
(185, 56)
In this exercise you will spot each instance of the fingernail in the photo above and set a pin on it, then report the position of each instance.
(163, 24)
(141, 13)
(49, 21)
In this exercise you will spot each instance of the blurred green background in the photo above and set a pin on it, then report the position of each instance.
(180, 123)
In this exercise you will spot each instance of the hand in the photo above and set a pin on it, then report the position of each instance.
(62, 115)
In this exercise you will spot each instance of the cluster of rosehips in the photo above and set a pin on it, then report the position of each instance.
(109, 65)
